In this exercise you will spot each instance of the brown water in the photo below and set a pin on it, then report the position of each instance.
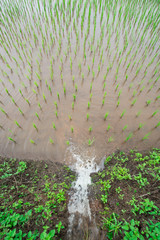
(144, 85)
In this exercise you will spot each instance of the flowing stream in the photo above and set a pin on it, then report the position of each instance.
(79, 208)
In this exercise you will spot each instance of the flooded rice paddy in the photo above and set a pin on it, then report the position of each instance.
(86, 72)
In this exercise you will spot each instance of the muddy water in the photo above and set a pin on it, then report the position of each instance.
(119, 88)
(83, 163)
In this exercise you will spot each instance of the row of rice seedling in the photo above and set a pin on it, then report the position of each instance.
(73, 64)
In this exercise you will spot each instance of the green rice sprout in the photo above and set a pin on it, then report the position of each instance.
(3, 111)
(91, 141)
(89, 104)
(44, 97)
(125, 127)
(82, 76)
(111, 139)
(87, 116)
(93, 74)
(129, 136)
(56, 113)
(89, 68)
(148, 102)
(138, 113)
(27, 101)
(119, 94)
(140, 126)
(36, 84)
(20, 92)
(73, 105)
(49, 88)
(37, 115)
(17, 124)
(73, 78)
(153, 114)
(32, 141)
(146, 136)
(122, 114)
(64, 88)
(39, 105)
(106, 115)
(133, 102)
(51, 140)
(134, 93)
(118, 102)
(58, 95)
(117, 86)
(158, 124)
(90, 129)
(72, 129)
(38, 76)
(20, 111)
(55, 103)
(34, 125)
(54, 126)
(67, 142)
(108, 127)
(74, 97)
(7, 91)
(11, 139)
(76, 87)
(91, 86)
(34, 91)
(70, 117)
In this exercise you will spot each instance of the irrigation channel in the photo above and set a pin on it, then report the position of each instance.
(83, 163)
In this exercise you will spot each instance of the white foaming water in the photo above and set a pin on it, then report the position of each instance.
(84, 165)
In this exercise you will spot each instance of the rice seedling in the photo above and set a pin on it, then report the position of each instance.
(55, 103)
(140, 126)
(37, 115)
(129, 136)
(89, 104)
(44, 97)
(158, 124)
(108, 127)
(32, 141)
(125, 127)
(153, 114)
(122, 114)
(106, 115)
(70, 117)
(74, 97)
(72, 129)
(56, 113)
(91, 141)
(51, 140)
(111, 139)
(76, 87)
(3, 111)
(53, 124)
(34, 125)
(20, 111)
(148, 102)
(90, 129)
(146, 136)
(67, 142)
(133, 102)
(11, 139)
(17, 124)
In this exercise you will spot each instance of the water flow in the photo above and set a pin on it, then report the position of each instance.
(84, 165)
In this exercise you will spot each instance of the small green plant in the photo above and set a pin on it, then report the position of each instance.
(51, 140)
(32, 141)
(90, 141)
(106, 115)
